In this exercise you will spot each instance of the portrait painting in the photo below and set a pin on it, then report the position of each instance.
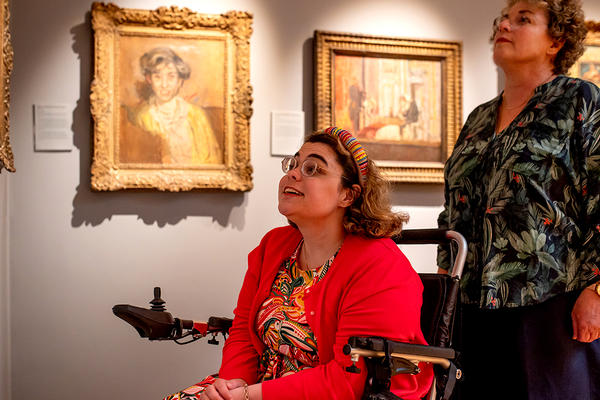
(170, 99)
(172, 102)
(400, 97)
(588, 65)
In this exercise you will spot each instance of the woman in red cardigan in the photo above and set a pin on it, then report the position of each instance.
(332, 274)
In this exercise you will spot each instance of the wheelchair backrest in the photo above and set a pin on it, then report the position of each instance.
(440, 300)
(440, 291)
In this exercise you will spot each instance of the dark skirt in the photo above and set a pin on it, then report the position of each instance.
(527, 353)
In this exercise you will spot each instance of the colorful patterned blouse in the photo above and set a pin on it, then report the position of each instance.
(290, 344)
(194, 391)
(527, 199)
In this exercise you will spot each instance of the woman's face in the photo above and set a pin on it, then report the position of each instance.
(522, 37)
(165, 82)
(316, 198)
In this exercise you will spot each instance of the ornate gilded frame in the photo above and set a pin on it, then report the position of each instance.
(329, 45)
(6, 65)
(110, 23)
(591, 55)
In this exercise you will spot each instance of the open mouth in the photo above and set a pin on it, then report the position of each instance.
(292, 191)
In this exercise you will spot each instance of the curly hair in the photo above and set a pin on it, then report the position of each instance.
(150, 61)
(566, 23)
(370, 214)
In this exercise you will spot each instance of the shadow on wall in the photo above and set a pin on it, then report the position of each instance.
(92, 208)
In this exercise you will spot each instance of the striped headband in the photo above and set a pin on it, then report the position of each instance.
(354, 147)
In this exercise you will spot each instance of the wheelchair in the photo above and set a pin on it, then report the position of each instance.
(383, 358)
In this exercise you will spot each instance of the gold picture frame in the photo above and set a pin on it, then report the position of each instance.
(6, 66)
(402, 98)
(588, 65)
(171, 99)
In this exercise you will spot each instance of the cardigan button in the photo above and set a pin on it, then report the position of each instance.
(307, 290)
(312, 313)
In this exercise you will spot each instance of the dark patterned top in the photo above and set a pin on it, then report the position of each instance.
(526, 199)
(290, 343)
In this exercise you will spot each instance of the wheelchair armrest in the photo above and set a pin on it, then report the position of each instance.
(157, 324)
(379, 347)
(385, 358)
(220, 324)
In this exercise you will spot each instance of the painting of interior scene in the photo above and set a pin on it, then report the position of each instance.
(393, 105)
(171, 93)
(589, 64)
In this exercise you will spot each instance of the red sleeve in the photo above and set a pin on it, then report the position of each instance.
(382, 299)
(240, 359)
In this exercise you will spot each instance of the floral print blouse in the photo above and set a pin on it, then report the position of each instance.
(290, 344)
(527, 198)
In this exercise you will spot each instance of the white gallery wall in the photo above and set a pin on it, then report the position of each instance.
(69, 254)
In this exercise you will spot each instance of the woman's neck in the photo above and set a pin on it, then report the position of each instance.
(519, 88)
(320, 243)
(168, 106)
(521, 83)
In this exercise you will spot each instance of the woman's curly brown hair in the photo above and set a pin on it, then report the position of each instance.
(370, 214)
(566, 23)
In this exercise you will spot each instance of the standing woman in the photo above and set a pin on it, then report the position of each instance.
(332, 274)
(523, 186)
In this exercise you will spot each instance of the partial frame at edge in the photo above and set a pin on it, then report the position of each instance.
(6, 154)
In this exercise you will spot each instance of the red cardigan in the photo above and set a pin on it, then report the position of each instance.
(369, 290)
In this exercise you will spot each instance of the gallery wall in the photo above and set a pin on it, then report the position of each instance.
(71, 253)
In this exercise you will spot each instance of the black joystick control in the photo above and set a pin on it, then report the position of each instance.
(158, 304)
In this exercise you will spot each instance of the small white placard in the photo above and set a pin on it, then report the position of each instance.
(51, 128)
(287, 132)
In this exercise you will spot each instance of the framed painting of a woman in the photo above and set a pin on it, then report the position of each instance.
(183, 133)
(170, 99)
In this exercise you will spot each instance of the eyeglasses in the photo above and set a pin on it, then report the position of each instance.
(515, 21)
(308, 168)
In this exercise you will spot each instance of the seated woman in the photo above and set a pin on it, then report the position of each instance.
(332, 274)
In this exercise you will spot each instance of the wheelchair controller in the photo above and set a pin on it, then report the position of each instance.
(156, 323)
